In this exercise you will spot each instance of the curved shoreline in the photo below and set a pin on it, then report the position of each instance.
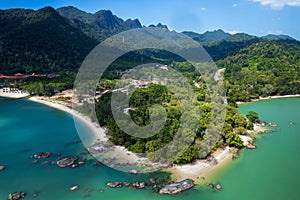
(98, 134)
(269, 97)
(195, 170)
(97, 131)
(201, 168)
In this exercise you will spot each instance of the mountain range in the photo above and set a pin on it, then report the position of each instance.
(51, 41)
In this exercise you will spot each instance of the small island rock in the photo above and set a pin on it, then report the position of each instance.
(42, 155)
(114, 184)
(16, 196)
(218, 187)
(177, 187)
(65, 162)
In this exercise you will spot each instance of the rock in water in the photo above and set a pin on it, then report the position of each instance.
(73, 188)
(65, 162)
(42, 155)
(177, 187)
(2, 168)
(16, 196)
(114, 184)
(218, 187)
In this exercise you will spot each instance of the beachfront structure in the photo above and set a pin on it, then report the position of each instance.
(13, 93)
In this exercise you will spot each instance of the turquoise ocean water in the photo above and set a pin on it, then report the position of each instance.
(269, 172)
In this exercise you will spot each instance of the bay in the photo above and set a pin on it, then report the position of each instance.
(269, 172)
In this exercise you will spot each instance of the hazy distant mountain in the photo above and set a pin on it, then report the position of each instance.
(240, 37)
(99, 25)
(220, 44)
(277, 37)
(159, 25)
(40, 41)
(208, 36)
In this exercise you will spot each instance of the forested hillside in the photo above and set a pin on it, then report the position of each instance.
(266, 67)
(40, 41)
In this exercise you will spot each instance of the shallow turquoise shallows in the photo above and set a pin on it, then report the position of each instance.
(272, 171)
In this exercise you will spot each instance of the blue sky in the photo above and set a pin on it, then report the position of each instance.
(257, 17)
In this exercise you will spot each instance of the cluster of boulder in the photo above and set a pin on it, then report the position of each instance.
(212, 186)
(138, 185)
(173, 188)
(71, 162)
(16, 196)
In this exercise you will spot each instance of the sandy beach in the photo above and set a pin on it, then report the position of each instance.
(269, 97)
(202, 168)
(121, 154)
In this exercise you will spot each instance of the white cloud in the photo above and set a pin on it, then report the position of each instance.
(234, 5)
(233, 31)
(278, 4)
(203, 9)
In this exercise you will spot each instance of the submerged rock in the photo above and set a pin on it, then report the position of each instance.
(98, 163)
(273, 124)
(152, 180)
(16, 196)
(177, 187)
(210, 185)
(58, 154)
(35, 195)
(2, 168)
